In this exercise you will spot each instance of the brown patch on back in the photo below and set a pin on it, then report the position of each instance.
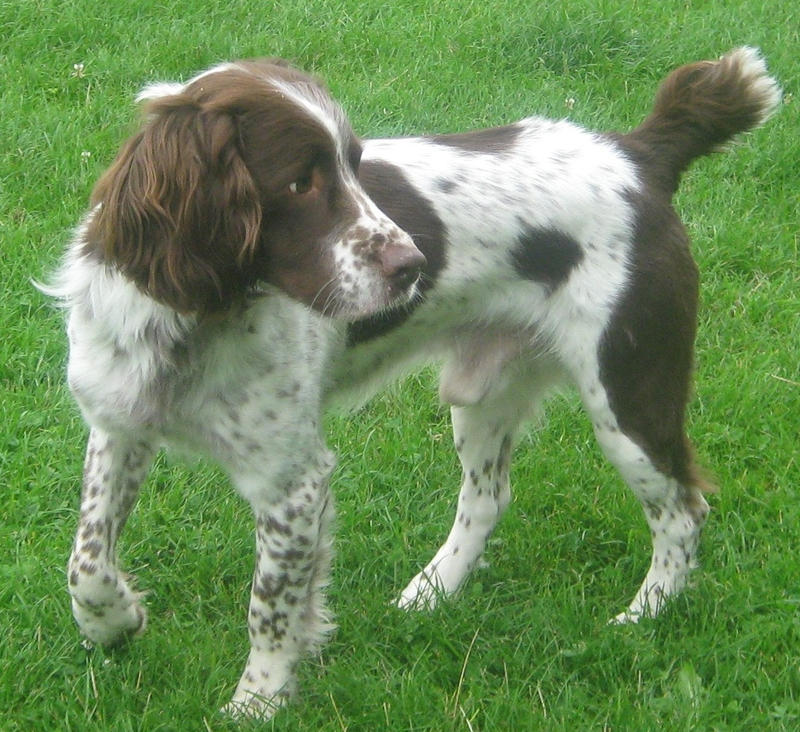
(492, 140)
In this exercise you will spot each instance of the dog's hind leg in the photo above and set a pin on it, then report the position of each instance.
(636, 397)
(675, 511)
(103, 603)
(484, 435)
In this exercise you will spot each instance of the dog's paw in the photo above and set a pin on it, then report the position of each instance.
(111, 625)
(422, 593)
(625, 618)
(266, 685)
(647, 604)
(252, 705)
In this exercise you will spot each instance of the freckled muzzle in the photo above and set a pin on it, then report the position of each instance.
(379, 267)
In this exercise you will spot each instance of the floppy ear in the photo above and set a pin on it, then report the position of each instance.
(179, 211)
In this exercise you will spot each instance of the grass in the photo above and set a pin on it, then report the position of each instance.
(525, 645)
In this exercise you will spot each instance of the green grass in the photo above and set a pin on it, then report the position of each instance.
(525, 645)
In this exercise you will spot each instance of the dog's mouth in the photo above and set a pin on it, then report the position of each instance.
(342, 301)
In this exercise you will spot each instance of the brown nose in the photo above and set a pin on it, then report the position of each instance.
(401, 264)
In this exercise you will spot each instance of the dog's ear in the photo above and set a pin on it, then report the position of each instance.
(178, 212)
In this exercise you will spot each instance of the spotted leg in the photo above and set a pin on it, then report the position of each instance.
(675, 510)
(676, 515)
(103, 603)
(287, 616)
(483, 433)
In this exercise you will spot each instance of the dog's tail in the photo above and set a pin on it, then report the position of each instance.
(698, 108)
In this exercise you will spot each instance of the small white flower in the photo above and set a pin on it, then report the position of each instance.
(569, 102)
(78, 70)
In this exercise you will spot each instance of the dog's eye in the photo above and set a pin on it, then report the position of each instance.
(302, 185)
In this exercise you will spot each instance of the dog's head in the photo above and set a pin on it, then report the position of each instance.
(246, 175)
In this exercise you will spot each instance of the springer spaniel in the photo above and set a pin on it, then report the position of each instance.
(551, 254)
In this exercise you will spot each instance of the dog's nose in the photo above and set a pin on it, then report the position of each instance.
(401, 264)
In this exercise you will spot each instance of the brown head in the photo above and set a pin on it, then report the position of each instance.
(244, 176)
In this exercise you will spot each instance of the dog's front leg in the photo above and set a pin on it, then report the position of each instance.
(287, 615)
(105, 607)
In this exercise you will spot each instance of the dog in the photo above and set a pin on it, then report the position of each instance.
(247, 263)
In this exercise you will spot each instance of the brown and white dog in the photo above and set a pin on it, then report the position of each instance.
(551, 254)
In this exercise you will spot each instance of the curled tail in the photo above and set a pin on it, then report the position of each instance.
(698, 108)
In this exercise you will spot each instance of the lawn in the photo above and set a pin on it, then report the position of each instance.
(525, 646)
